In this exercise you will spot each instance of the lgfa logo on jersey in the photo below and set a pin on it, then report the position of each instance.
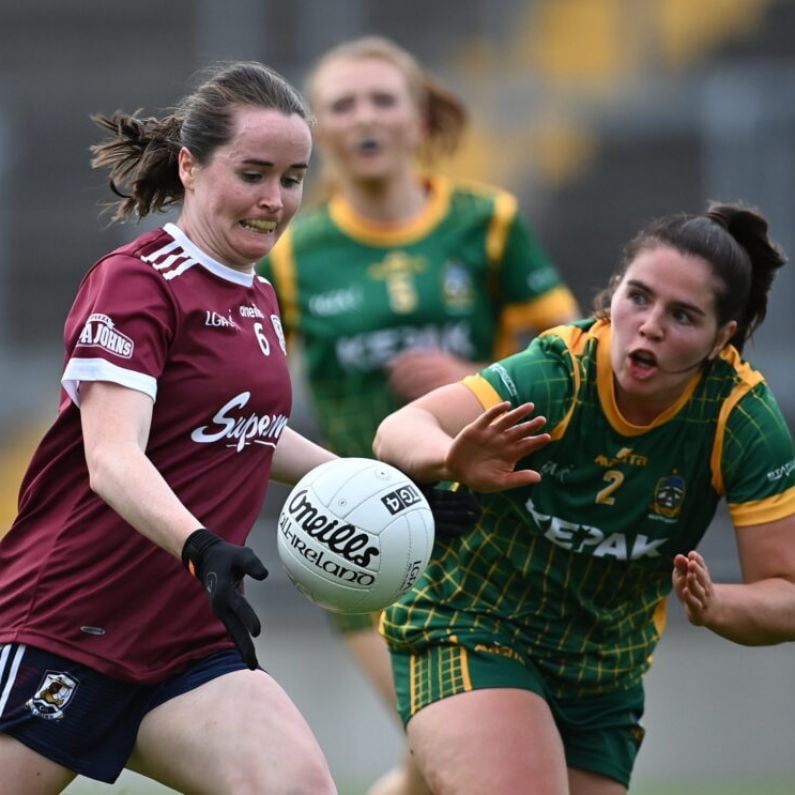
(213, 319)
(100, 332)
(54, 693)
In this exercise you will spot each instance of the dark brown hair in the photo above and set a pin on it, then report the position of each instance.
(141, 153)
(734, 240)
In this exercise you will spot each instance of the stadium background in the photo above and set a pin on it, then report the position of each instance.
(599, 114)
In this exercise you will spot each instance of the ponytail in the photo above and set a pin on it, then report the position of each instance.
(141, 155)
(750, 231)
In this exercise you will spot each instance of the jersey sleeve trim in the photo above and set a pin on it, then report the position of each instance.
(557, 305)
(284, 274)
(575, 340)
(488, 396)
(660, 617)
(750, 378)
(770, 509)
(505, 208)
(483, 390)
(78, 370)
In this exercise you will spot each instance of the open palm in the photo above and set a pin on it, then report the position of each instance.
(484, 454)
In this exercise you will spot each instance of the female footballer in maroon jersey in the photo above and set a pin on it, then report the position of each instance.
(173, 418)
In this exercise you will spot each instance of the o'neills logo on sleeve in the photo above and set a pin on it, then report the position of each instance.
(100, 332)
(342, 538)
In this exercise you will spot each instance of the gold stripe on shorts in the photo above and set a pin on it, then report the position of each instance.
(440, 672)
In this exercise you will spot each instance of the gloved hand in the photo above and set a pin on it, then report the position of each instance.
(454, 512)
(221, 567)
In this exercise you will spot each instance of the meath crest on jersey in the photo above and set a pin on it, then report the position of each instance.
(457, 287)
(669, 495)
(54, 693)
(398, 270)
(100, 332)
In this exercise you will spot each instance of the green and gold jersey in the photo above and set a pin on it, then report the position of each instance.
(575, 569)
(466, 277)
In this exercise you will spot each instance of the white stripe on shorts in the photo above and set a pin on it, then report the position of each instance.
(11, 673)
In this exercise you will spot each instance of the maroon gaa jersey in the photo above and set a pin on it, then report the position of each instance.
(204, 342)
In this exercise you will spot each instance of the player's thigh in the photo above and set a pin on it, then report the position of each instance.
(499, 740)
(237, 733)
(24, 770)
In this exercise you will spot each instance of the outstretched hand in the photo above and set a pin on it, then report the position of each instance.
(693, 587)
(221, 567)
(484, 454)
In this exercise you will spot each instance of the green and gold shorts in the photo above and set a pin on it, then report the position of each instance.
(601, 733)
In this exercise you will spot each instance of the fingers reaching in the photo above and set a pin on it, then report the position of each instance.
(485, 453)
(693, 586)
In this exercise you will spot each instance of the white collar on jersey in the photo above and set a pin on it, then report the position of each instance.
(206, 261)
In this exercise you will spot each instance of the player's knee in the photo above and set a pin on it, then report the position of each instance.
(310, 776)
(316, 780)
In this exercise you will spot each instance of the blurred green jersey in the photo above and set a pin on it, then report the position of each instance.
(466, 276)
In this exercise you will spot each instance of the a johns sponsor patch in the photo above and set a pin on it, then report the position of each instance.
(101, 332)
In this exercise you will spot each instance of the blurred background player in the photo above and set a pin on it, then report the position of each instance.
(401, 280)
(520, 654)
(173, 417)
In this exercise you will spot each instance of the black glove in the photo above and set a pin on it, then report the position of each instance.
(221, 567)
(454, 512)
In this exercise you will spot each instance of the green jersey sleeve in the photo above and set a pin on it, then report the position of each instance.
(531, 294)
(543, 374)
(526, 271)
(757, 461)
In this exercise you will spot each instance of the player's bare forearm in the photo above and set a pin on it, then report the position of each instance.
(413, 440)
(759, 613)
(130, 484)
(296, 455)
(755, 614)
